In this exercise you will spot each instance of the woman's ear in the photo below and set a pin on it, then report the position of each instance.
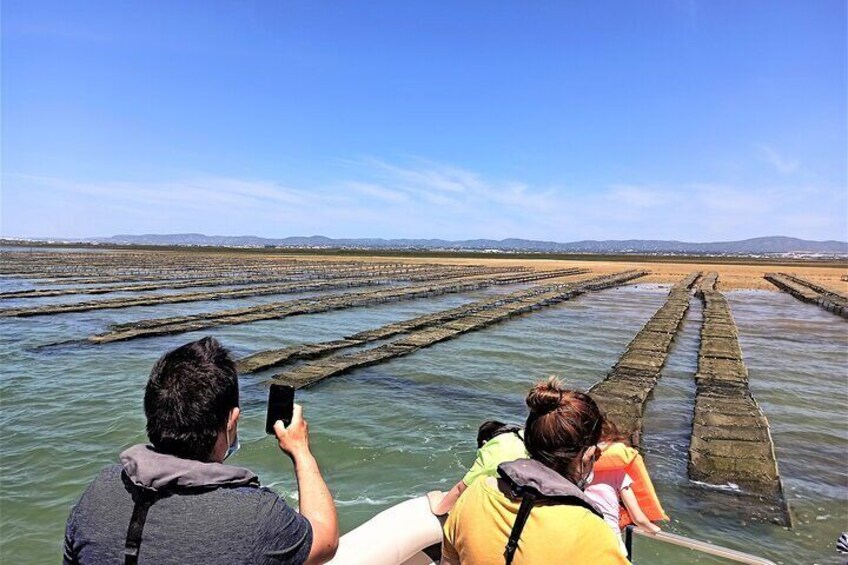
(589, 456)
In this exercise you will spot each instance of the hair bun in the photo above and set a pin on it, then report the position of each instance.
(545, 397)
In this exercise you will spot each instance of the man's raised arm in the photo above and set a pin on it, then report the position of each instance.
(316, 502)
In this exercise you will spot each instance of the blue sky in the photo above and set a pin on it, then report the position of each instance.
(689, 120)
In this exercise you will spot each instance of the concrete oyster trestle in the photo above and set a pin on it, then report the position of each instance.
(311, 373)
(624, 391)
(731, 443)
(274, 357)
(298, 275)
(291, 287)
(277, 310)
(807, 291)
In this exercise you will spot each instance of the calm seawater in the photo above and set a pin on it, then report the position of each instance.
(395, 430)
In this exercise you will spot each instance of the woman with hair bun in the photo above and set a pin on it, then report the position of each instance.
(536, 511)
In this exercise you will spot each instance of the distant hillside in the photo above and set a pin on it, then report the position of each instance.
(756, 246)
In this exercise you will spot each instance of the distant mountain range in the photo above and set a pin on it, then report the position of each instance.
(756, 246)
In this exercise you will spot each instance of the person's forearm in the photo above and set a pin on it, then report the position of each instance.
(646, 525)
(447, 503)
(316, 503)
(635, 511)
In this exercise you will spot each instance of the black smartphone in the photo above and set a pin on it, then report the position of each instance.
(280, 406)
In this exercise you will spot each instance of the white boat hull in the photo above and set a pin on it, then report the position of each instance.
(396, 536)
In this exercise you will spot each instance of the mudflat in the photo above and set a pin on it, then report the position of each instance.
(735, 274)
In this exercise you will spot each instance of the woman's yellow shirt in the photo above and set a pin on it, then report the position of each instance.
(478, 528)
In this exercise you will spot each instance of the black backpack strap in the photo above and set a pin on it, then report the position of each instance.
(528, 499)
(143, 501)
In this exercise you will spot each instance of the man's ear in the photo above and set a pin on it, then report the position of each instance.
(234, 416)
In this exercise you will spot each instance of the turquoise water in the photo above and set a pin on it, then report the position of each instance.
(391, 431)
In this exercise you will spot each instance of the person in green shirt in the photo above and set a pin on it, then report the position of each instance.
(496, 443)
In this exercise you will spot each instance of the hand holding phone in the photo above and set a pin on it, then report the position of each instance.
(293, 439)
(280, 406)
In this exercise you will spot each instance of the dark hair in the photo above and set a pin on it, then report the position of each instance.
(188, 399)
(562, 423)
(487, 431)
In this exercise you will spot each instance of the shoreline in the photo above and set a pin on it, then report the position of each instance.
(732, 276)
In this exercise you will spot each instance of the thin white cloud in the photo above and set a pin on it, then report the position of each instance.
(376, 191)
(192, 193)
(444, 185)
(417, 198)
(429, 177)
(638, 196)
(779, 162)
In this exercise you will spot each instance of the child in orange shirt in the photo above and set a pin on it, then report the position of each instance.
(617, 477)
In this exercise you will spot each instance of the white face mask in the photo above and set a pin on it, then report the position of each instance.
(235, 446)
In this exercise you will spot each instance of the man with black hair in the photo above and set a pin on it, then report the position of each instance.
(175, 501)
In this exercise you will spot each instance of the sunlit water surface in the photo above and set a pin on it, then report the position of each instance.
(395, 430)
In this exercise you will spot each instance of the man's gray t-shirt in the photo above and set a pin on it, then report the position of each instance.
(244, 524)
